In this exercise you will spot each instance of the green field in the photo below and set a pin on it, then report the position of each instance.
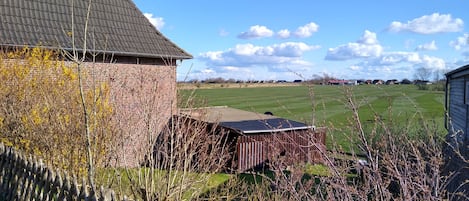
(327, 105)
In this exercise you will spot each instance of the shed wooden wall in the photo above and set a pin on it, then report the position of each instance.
(288, 148)
(457, 152)
(457, 109)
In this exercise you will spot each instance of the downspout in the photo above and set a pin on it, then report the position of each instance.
(446, 103)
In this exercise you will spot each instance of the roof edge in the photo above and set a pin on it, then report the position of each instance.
(462, 68)
(134, 54)
(279, 130)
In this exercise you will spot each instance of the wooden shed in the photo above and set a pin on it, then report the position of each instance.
(259, 140)
(457, 103)
(457, 124)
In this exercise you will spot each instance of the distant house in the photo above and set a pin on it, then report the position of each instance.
(258, 138)
(390, 82)
(422, 82)
(142, 75)
(405, 81)
(378, 82)
(341, 82)
(457, 123)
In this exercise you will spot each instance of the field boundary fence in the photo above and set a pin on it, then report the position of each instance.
(28, 178)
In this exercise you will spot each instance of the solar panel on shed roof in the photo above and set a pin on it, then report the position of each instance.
(263, 126)
(244, 121)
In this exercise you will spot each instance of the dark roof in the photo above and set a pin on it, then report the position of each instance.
(115, 27)
(242, 121)
(264, 126)
(457, 70)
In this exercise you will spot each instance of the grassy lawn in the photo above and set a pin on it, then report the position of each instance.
(195, 183)
(327, 105)
(403, 105)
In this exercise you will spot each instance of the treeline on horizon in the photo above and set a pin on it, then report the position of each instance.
(421, 76)
(316, 80)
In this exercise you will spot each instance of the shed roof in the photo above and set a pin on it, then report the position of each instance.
(115, 27)
(458, 71)
(244, 121)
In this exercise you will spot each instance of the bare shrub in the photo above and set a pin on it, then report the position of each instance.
(403, 161)
(184, 157)
(177, 155)
(395, 161)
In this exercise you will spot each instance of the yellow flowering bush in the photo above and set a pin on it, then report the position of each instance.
(41, 111)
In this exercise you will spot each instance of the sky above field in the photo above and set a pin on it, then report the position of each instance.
(302, 39)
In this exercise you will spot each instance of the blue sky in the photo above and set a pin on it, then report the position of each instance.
(272, 40)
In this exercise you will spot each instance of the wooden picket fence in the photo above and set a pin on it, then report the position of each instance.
(26, 178)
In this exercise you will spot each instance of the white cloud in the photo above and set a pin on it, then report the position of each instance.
(207, 71)
(373, 60)
(227, 72)
(213, 55)
(391, 65)
(368, 38)
(429, 24)
(366, 46)
(292, 49)
(393, 58)
(256, 31)
(158, 22)
(434, 63)
(355, 68)
(306, 30)
(249, 55)
(461, 42)
(283, 34)
(427, 46)
(365, 71)
(396, 59)
(232, 68)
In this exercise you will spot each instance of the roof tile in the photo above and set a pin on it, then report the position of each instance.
(115, 26)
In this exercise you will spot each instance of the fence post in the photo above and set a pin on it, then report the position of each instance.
(27, 178)
(2, 169)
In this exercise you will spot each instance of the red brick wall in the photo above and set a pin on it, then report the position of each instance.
(143, 98)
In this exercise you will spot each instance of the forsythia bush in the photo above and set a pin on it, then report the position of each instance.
(41, 111)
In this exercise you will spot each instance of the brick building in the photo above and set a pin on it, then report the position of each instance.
(123, 48)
